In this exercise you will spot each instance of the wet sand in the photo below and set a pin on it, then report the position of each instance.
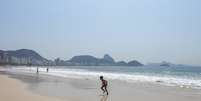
(14, 90)
(84, 89)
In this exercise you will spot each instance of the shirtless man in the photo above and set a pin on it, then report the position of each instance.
(104, 85)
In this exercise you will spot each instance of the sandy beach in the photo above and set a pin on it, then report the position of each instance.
(38, 87)
(14, 90)
(100, 50)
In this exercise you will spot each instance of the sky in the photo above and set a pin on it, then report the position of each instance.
(144, 30)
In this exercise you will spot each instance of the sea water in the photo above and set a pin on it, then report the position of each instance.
(182, 76)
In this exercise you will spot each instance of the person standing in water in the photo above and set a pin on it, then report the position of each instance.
(104, 85)
(47, 70)
(37, 71)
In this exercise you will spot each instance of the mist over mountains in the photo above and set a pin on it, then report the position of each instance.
(30, 57)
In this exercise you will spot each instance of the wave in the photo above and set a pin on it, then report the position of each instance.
(128, 77)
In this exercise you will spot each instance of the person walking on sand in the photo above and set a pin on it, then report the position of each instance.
(104, 85)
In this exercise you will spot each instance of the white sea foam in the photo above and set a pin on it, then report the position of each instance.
(81, 73)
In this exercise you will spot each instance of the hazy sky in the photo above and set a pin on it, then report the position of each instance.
(145, 30)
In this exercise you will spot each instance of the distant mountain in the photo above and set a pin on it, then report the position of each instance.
(107, 60)
(121, 63)
(163, 63)
(85, 60)
(22, 57)
(30, 57)
(166, 64)
(135, 63)
(25, 53)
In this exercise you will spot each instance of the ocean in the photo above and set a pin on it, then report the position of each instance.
(181, 76)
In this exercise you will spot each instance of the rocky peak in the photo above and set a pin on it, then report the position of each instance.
(108, 58)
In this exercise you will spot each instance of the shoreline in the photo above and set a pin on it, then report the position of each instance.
(14, 90)
(183, 80)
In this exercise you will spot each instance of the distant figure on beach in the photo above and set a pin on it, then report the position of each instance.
(37, 71)
(104, 85)
(47, 69)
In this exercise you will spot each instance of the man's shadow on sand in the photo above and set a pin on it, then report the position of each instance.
(104, 98)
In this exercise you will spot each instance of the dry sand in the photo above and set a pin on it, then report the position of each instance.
(14, 90)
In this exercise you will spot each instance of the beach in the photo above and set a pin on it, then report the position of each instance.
(14, 90)
(40, 87)
(100, 50)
